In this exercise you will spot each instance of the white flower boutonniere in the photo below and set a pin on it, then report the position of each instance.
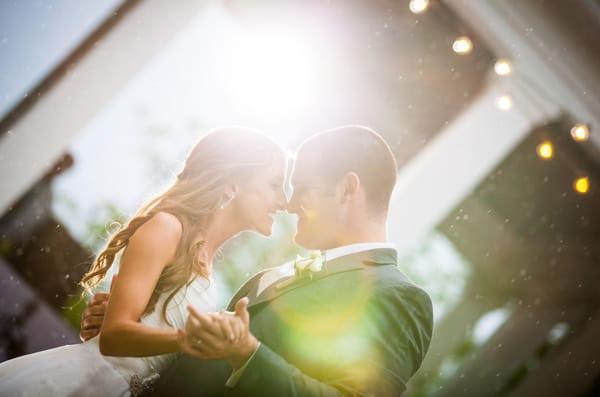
(304, 267)
(313, 263)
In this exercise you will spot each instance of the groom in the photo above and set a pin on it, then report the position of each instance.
(346, 321)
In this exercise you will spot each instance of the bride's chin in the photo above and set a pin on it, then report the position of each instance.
(266, 229)
(266, 233)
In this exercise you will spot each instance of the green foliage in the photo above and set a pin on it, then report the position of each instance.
(107, 217)
(440, 269)
(73, 309)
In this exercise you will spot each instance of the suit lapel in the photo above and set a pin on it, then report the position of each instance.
(357, 261)
(249, 289)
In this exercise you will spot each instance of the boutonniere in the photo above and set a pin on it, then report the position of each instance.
(313, 263)
(305, 267)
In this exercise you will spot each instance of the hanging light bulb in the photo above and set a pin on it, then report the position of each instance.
(418, 6)
(545, 150)
(580, 132)
(582, 185)
(462, 45)
(502, 67)
(504, 102)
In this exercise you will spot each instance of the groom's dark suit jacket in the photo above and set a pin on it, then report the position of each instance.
(359, 327)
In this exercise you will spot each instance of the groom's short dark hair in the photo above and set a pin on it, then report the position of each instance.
(357, 149)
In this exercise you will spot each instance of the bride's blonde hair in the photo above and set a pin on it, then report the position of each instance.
(221, 157)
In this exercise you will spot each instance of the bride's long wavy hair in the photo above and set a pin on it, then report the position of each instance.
(223, 156)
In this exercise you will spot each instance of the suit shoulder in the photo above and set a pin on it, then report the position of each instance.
(393, 286)
(392, 277)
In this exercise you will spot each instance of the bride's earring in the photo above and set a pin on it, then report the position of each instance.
(226, 203)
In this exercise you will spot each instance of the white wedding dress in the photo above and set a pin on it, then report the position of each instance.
(81, 370)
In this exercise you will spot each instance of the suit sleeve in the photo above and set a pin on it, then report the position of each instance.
(393, 337)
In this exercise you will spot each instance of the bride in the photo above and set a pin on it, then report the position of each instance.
(232, 181)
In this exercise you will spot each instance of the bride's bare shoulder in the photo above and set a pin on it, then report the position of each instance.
(168, 221)
(163, 229)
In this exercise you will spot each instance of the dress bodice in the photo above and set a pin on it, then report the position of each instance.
(200, 293)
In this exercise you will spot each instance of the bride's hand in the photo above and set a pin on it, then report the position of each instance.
(232, 327)
(202, 342)
(213, 335)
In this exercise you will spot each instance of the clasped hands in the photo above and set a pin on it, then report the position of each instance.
(219, 336)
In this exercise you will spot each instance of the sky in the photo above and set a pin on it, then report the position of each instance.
(36, 35)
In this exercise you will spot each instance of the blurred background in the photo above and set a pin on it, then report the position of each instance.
(492, 108)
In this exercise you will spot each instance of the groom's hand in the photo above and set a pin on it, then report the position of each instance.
(221, 335)
(93, 315)
(247, 346)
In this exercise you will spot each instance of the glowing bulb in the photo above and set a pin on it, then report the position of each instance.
(418, 6)
(580, 132)
(545, 150)
(502, 67)
(504, 102)
(582, 185)
(462, 45)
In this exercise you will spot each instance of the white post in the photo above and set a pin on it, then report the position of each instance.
(460, 156)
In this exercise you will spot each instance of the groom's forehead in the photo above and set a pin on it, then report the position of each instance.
(302, 166)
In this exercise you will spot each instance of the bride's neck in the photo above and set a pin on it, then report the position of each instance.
(218, 230)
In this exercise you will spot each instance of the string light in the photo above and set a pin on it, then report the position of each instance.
(504, 102)
(418, 6)
(545, 150)
(502, 67)
(580, 132)
(462, 45)
(582, 185)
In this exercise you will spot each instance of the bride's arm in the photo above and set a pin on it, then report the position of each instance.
(150, 249)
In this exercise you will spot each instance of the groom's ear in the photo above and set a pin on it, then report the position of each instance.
(350, 186)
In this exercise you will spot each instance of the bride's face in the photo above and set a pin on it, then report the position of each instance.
(259, 197)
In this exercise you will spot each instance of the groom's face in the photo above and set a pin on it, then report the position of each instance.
(316, 204)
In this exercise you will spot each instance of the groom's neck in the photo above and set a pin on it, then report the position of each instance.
(365, 232)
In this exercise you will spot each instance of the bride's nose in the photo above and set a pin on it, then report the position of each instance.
(280, 202)
(292, 206)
